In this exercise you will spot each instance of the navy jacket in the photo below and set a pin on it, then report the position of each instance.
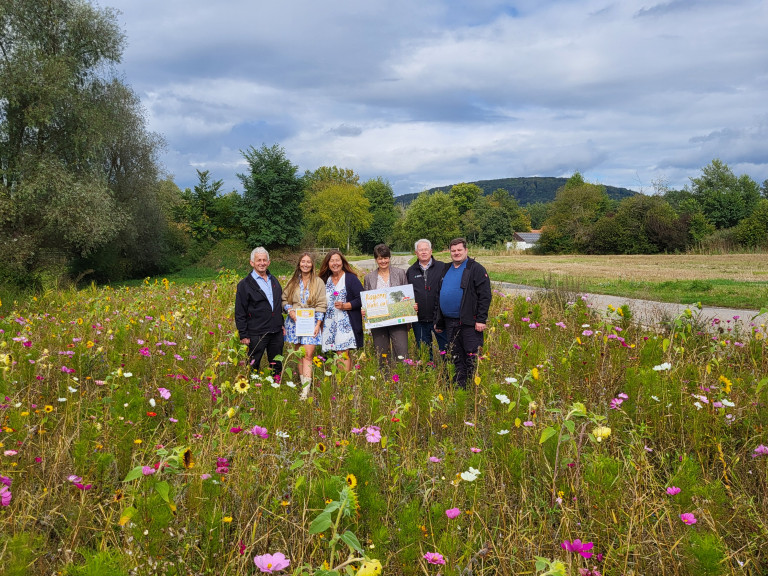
(476, 296)
(253, 315)
(426, 287)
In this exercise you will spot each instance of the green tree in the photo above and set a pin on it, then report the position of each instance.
(753, 230)
(537, 213)
(78, 170)
(337, 213)
(270, 212)
(497, 217)
(724, 199)
(576, 208)
(432, 216)
(384, 215)
(199, 209)
(464, 195)
(328, 176)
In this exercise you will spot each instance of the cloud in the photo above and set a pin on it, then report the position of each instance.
(441, 91)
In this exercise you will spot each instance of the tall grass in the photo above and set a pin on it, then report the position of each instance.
(126, 444)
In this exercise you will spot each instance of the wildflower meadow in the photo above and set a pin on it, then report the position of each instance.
(136, 442)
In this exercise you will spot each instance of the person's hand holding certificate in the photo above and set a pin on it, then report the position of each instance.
(305, 321)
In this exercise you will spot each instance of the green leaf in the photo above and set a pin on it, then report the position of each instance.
(298, 464)
(163, 489)
(352, 541)
(570, 425)
(133, 474)
(321, 523)
(512, 404)
(760, 385)
(579, 409)
(546, 434)
(299, 482)
(665, 344)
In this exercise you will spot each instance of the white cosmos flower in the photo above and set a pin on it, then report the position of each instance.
(663, 367)
(72, 390)
(510, 380)
(727, 402)
(290, 384)
(503, 398)
(62, 399)
(152, 402)
(698, 405)
(470, 475)
(502, 432)
(281, 434)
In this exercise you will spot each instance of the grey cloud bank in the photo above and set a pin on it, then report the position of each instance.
(436, 92)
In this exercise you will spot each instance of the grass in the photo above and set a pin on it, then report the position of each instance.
(134, 441)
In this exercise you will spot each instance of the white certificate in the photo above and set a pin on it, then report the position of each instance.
(305, 321)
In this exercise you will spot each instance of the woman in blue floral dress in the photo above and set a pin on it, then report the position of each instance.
(343, 324)
(304, 290)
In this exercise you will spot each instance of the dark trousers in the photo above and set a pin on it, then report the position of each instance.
(464, 343)
(273, 344)
(391, 341)
(423, 331)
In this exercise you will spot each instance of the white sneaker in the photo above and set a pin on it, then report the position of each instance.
(304, 392)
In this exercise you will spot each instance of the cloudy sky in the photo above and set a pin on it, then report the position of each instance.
(432, 92)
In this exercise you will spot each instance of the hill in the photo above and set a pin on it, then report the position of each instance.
(525, 190)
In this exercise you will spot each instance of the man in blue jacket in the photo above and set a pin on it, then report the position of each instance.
(258, 313)
(462, 309)
(425, 275)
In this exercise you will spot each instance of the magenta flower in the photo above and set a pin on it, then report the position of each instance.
(453, 513)
(434, 558)
(579, 547)
(269, 563)
(673, 490)
(165, 394)
(475, 450)
(688, 518)
(615, 403)
(83, 486)
(5, 496)
(259, 431)
(236, 430)
(761, 450)
(6, 481)
(434, 459)
(395, 378)
(148, 470)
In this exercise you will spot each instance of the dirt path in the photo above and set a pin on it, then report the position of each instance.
(650, 313)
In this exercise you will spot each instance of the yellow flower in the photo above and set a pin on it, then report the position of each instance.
(370, 568)
(351, 480)
(477, 380)
(89, 344)
(727, 384)
(317, 361)
(321, 447)
(230, 412)
(285, 503)
(48, 408)
(601, 432)
(25, 413)
(138, 441)
(535, 373)
(242, 385)
(227, 519)
(187, 458)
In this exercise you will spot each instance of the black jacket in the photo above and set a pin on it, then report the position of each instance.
(476, 296)
(425, 287)
(253, 314)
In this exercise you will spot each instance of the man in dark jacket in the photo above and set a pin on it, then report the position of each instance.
(425, 275)
(258, 313)
(462, 309)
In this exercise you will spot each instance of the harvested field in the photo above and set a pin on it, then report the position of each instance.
(648, 268)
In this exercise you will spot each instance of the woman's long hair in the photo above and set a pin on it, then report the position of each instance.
(293, 283)
(325, 271)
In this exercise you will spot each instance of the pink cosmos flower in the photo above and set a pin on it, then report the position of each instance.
(165, 394)
(236, 430)
(453, 513)
(761, 450)
(579, 547)
(395, 378)
(434, 558)
(434, 459)
(688, 518)
(73, 478)
(269, 563)
(147, 470)
(475, 450)
(528, 423)
(373, 434)
(615, 403)
(259, 431)
(672, 490)
(5, 495)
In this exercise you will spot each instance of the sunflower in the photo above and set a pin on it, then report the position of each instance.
(48, 408)
(242, 385)
(351, 480)
(187, 459)
(321, 447)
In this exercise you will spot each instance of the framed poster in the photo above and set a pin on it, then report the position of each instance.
(305, 321)
(389, 306)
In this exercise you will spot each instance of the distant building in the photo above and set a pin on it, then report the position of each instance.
(523, 240)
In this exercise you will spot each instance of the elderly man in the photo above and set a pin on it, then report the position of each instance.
(425, 276)
(258, 316)
(462, 310)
